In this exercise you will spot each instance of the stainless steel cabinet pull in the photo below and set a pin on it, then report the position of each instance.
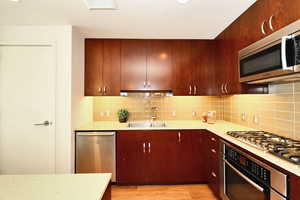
(45, 123)
(222, 88)
(263, 27)
(271, 23)
(149, 147)
(179, 137)
(100, 90)
(190, 90)
(225, 88)
(213, 139)
(149, 84)
(214, 174)
(144, 147)
(144, 84)
(104, 89)
(195, 89)
(213, 150)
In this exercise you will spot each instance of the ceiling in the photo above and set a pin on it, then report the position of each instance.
(198, 19)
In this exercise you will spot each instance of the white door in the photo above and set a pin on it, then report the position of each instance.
(27, 97)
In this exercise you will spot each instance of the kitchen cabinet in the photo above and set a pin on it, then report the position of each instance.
(159, 65)
(107, 193)
(160, 157)
(134, 65)
(184, 68)
(294, 187)
(146, 65)
(214, 163)
(102, 67)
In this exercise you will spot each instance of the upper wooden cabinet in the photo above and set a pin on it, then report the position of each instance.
(134, 64)
(102, 67)
(184, 67)
(146, 65)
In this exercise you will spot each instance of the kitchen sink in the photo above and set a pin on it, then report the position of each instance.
(146, 124)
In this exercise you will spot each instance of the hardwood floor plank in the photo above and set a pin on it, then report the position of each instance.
(163, 192)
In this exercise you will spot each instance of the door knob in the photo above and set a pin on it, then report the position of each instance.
(45, 123)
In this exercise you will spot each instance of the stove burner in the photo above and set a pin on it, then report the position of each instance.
(282, 147)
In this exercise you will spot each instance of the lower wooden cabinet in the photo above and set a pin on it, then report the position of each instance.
(161, 157)
(294, 187)
(214, 156)
(107, 193)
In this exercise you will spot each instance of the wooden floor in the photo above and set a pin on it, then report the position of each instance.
(168, 192)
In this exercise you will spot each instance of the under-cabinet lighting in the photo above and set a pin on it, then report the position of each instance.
(101, 4)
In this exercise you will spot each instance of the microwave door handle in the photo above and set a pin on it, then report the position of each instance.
(283, 53)
(244, 177)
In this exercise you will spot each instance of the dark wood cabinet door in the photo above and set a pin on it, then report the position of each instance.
(159, 65)
(133, 64)
(191, 157)
(163, 158)
(183, 68)
(93, 67)
(111, 67)
(203, 56)
(294, 187)
(132, 161)
(213, 163)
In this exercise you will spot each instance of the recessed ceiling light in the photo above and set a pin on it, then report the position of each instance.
(16, 1)
(183, 1)
(101, 4)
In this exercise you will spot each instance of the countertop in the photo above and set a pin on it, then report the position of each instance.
(219, 128)
(54, 187)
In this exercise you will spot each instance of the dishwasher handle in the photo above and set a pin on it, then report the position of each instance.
(96, 133)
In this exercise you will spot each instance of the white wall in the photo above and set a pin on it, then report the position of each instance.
(81, 106)
(62, 37)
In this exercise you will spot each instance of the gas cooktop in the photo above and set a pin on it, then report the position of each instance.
(282, 147)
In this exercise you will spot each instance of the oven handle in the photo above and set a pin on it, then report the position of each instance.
(245, 177)
(283, 52)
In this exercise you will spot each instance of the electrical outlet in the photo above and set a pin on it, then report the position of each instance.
(244, 117)
(174, 113)
(194, 113)
(102, 114)
(255, 119)
(107, 113)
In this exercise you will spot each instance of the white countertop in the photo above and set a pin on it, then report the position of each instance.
(54, 187)
(220, 128)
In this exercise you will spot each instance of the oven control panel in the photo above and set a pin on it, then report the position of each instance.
(249, 166)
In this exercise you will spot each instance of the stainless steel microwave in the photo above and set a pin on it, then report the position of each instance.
(275, 58)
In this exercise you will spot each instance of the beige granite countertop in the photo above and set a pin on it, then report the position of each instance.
(219, 128)
(54, 187)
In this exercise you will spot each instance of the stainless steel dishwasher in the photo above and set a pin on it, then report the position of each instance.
(96, 153)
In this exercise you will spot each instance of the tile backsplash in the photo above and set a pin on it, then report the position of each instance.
(143, 106)
(277, 112)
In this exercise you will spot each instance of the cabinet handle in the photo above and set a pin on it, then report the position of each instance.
(213, 150)
(214, 174)
(263, 27)
(144, 147)
(190, 90)
(179, 137)
(213, 139)
(104, 89)
(195, 89)
(100, 90)
(225, 88)
(222, 88)
(144, 84)
(149, 147)
(149, 84)
(271, 23)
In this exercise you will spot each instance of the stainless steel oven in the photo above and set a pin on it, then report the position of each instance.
(245, 178)
(275, 58)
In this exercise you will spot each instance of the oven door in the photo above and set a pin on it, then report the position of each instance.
(237, 186)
